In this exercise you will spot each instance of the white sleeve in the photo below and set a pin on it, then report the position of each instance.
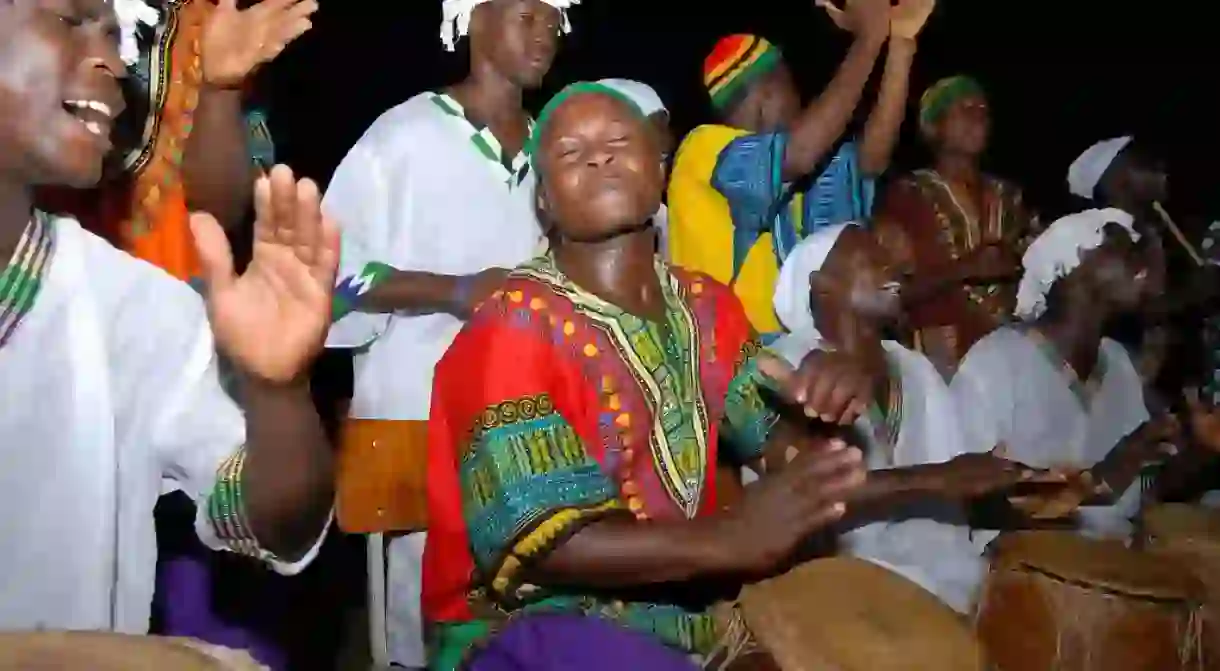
(981, 391)
(358, 199)
(196, 430)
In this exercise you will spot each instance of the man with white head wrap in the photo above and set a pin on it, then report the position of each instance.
(910, 517)
(435, 201)
(650, 103)
(1053, 389)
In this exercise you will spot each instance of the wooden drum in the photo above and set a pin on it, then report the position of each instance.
(850, 615)
(97, 651)
(1057, 601)
(1191, 535)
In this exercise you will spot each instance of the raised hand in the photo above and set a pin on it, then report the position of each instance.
(272, 320)
(862, 18)
(908, 18)
(236, 41)
(831, 386)
(783, 509)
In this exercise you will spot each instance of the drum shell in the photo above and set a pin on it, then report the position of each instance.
(99, 651)
(1191, 536)
(1054, 600)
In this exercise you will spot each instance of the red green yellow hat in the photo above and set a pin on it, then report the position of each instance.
(734, 63)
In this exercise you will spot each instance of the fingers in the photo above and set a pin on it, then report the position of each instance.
(226, 5)
(264, 217)
(307, 221)
(827, 476)
(326, 267)
(283, 204)
(215, 255)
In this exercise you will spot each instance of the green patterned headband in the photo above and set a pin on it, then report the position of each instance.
(940, 96)
(570, 91)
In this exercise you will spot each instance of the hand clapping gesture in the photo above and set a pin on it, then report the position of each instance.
(868, 19)
(828, 385)
(236, 41)
(272, 320)
(908, 18)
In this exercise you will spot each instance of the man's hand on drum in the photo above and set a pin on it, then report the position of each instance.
(972, 475)
(831, 386)
(783, 509)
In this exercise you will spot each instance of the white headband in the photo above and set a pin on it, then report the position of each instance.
(1057, 251)
(455, 18)
(1086, 171)
(131, 13)
(791, 300)
(643, 95)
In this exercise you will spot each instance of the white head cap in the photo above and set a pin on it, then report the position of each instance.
(455, 18)
(1057, 252)
(1086, 171)
(131, 13)
(641, 94)
(791, 300)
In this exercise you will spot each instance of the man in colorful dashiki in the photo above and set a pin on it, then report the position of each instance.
(654, 108)
(959, 231)
(578, 417)
(187, 142)
(910, 516)
(745, 190)
(435, 201)
(1052, 388)
(109, 364)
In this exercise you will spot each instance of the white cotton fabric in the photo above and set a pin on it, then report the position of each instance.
(109, 395)
(791, 299)
(455, 18)
(1057, 252)
(1086, 171)
(643, 95)
(132, 13)
(415, 193)
(1008, 391)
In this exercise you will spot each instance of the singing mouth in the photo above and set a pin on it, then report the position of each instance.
(96, 116)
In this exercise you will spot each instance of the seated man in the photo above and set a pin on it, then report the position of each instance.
(577, 419)
(910, 514)
(108, 364)
(1053, 389)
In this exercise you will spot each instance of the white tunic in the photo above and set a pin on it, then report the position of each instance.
(928, 544)
(418, 192)
(108, 393)
(1009, 390)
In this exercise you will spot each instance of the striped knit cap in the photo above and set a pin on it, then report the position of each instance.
(734, 63)
(940, 96)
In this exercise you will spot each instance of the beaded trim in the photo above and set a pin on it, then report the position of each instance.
(227, 508)
(887, 422)
(21, 280)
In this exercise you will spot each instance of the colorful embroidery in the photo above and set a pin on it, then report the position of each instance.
(527, 483)
(748, 419)
(226, 507)
(512, 168)
(350, 289)
(22, 278)
(886, 423)
(662, 361)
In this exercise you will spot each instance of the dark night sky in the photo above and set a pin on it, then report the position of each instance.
(1058, 81)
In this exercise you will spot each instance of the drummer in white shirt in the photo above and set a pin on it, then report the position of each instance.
(108, 378)
(910, 515)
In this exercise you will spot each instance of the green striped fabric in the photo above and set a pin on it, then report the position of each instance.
(22, 278)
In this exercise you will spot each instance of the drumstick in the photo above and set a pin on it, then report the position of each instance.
(1177, 233)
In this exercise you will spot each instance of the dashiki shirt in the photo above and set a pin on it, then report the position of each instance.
(554, 409)
(111, 396)
(1014, 387)
(733, 217)
(928, 227)
(429, 189)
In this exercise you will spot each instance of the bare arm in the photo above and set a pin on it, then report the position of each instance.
(216, 169)
(822, 123)
(407, 290)
(288, 477)
(885, 121)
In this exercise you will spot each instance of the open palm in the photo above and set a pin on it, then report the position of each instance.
(272, 319)
(908, 17)
(236, 41)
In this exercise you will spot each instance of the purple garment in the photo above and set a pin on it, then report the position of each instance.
(567, 642)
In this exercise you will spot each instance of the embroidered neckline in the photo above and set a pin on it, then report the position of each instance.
(512, 169)
(886, 423)
(1084, 390)
(22, 278)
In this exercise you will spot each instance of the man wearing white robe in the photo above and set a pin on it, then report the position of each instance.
(435, 201)
(917, 463)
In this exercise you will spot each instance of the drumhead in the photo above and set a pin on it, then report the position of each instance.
(849, 614)
(1180, 521)
(116, 652)
(1106, 564)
